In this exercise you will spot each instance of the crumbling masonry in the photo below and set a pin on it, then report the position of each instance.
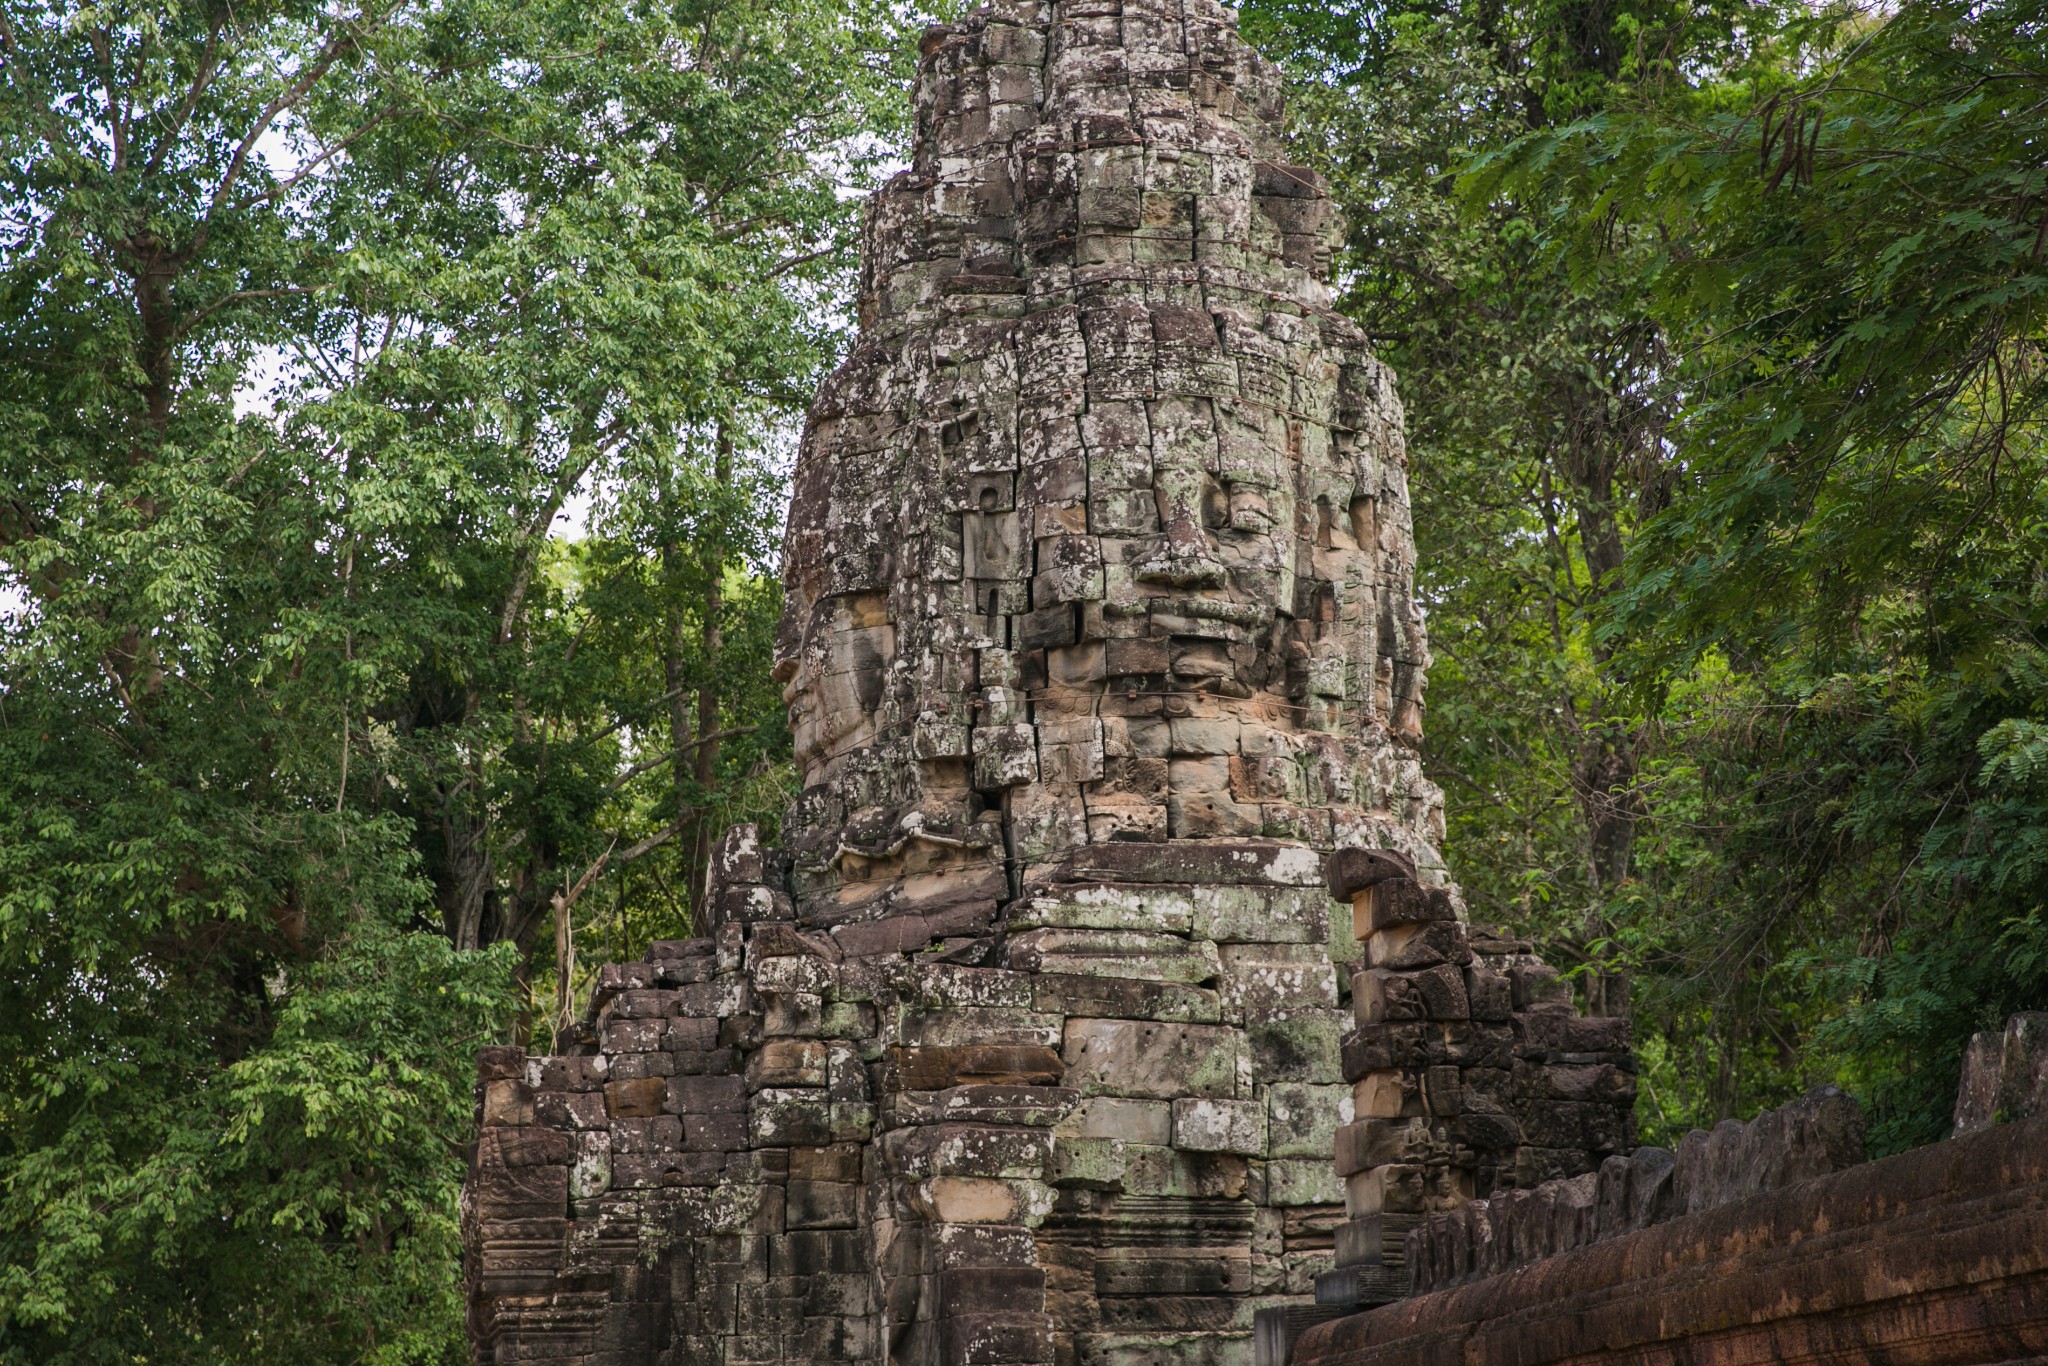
(1110, 907)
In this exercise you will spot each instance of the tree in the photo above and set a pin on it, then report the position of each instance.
(1536, 419)
(313, 322)
(1852, 254)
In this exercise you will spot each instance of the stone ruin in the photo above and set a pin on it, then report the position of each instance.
(1111, 905)
(1752, 1245)
(1110, 910)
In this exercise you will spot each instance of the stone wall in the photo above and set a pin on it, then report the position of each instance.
(1076, 1142)
(1109, 1143)
(1763, 1242)
(1822, 1133)
(1934, 1257)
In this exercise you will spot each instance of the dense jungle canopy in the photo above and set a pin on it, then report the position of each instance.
(396, 403)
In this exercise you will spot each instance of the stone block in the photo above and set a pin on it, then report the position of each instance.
(715, 1133)
(786, 1062)
(1300, 1181)
(1094, 1163)
(1381, 996)
(1117, 1117)
(1391, 904)
(590, 1170)
(1153, 1271)
(1124, 658)
(994, 1340)
(979, 1150)
(1248, 862)
(1031, 1106)
(1377, 1239)
(1538, 986)
(1146, 1059)
(982, 1200)
(1220, 1126)
(635, 1036)
(1255, 914)
(524, 1146)
(1106, 906)
(1276, 976)
(1005, 755)
(1373, 1142)
(1405, 947)
(704, 1095)
(1304, 1045)
(934, 1069)
(788, 1117)
(836, 1163)
(967, 1026)
(1169, 1174)
(989, 1290)
(507, 1102)
(1132, 954)
(1387, 1095)
(1548, 1036)
(1489, 994)
(1302, 1119)
(1443, 1095)
(1396, 1188)
(569, 1074)
(569, 1110)
(1350, 872)
(640, 1098)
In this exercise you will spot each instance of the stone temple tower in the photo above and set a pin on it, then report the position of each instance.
(1101, 535)
(1029, 1045)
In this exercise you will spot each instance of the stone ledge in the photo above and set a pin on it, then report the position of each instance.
(1935, 1257)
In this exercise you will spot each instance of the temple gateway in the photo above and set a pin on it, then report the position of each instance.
(1107, 1002)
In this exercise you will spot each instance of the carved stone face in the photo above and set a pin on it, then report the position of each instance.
(1102, 532)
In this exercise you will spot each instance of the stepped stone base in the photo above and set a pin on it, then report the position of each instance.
(1073, 1142)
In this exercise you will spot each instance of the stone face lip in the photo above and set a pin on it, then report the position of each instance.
(1101, 533)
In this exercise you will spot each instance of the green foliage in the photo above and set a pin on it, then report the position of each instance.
(1720, 332)
(315, 326)
(1854, 261)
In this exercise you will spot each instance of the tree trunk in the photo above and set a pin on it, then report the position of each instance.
(698, 841)
(1606, 759)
